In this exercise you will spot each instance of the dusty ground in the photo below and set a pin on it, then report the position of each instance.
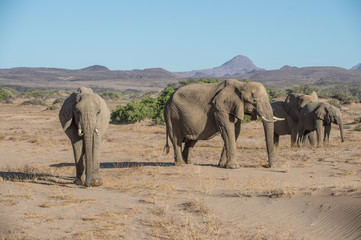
(312, 193)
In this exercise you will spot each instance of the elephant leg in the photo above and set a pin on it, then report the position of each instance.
(276, 140)
(312, 138)
(177, 148)
(326, 137)
(300, 136)
(228, 136)
(78, 151)
(223, 160)
(319, 124)
(178, 158)
(237, 131)
(305, 139)
(294, 141)
(188, 145)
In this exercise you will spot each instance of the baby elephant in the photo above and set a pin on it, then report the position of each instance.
(315, 115)
(84, 117)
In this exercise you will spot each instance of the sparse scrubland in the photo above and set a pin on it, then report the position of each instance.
(311, 193)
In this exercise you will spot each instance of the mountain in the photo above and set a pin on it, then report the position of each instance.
(95, 68)
(288, 76)
(237, 65)
(357, 66)
(153, 79)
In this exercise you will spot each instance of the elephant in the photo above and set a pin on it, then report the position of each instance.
(315, 115)
(289, 109)
(200, 111)
(84, 117)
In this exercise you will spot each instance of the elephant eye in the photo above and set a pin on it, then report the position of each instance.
(98, 112)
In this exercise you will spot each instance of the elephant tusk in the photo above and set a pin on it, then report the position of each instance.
(80, 132)
(278, 119)
(96, 131)
(275, 119)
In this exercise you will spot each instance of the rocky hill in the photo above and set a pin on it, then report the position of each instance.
(237, 65)
(153, 79)
(357, 66)
(292, 76)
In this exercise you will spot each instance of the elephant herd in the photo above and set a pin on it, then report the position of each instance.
(200, 111)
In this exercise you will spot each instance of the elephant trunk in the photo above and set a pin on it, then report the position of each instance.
(89, 154)
(264, 110)
(88, 137)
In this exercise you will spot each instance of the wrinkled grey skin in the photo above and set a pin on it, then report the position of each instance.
(84, 117)
(290, 109)
(200, 111)
(316, 115)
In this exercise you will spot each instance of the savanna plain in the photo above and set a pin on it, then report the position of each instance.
(311, 193)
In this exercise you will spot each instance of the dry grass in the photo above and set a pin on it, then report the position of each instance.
(144, 196)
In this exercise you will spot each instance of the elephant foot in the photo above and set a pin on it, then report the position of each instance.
(96, 182)
(232, 165)
(222, 163)
(179, 163)
(77, 181)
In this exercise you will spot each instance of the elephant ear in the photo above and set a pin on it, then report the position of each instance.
(323, 113)
(66, 111)
(228, 100)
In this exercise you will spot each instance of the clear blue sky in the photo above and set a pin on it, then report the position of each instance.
(179, 35)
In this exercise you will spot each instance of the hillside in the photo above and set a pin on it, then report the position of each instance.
(155, 79)
(291, 76)
(237, 65)
(94, 76)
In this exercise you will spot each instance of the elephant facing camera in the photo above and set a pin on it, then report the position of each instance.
(84, 117)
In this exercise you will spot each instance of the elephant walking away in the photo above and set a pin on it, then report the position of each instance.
(289, 109)
(202, 110)
(316, 115)
(84, 117)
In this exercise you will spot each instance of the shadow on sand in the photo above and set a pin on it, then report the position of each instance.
(36, 177)
(121, 164)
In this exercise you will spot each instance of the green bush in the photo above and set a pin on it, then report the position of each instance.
(147, 107)
(358, 128)
(357, 119)
(335, 103)
(44, 94)
(273, 93)
(7, 94)
(111, 95)
(303, 89)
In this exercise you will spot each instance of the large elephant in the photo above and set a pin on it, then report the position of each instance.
(200, 111)
(314, 116)
(289, 109)
(84, 117)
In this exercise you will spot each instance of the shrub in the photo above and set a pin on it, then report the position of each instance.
(111, 95)
(7, 94)
(335, 103)
(273, 93)
(303, 89)
(34, 102)
(357, 119)
(139, 110)
(44, 94)
(358, 128)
